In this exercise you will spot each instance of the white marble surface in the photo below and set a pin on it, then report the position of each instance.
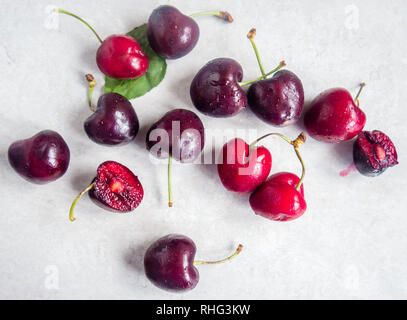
(351, 243)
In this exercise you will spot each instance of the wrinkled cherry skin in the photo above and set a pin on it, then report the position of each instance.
(279, 100)
(215, 90)
(120, 57)
(334, 117)
(170, 33)
(277, 199)
(125, 200)
(188, 143)
(169, 263)
(373, 153)
(40, 159)
(242, 169)
(114, 122)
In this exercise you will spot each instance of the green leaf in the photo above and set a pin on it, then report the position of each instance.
(134, 88)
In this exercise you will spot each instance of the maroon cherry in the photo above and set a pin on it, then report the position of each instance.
(242, 168)
(114, 121)
(179, 134)
(277, 101)
(40, 159)
(172, 34)
(216, 89)
(114, 188)
(169, 263)
(373, 153)
(281, 196)
(334, 116)
(119, 56)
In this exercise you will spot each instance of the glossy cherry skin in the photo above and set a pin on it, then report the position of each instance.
(277, 198)
(179, 133)
(333, 117)
(242, 169)
(215, 90)
(40, 159)
(170, 33)
(114, 122)
(169, 263)
(120, 57)
(279, 100)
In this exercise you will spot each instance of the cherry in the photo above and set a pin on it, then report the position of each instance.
(278, 198)
(172, 34)
(114, 188)
(216, 89)
(114, 121)
(281, 196)
(334, 116)
(169, 263)
(243, 168)
(40, 159)
(277, 101)
(373, 153)
(119, 56)
(179, 134)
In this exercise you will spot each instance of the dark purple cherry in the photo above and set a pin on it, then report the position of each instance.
(169, 263)
(172, 34)
(40, 159)
(216, 89)
(114, 121)
(279, 100)
(179, 134)
(373, 153)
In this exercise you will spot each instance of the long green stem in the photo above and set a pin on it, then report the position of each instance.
(251, 36)
(281, 65)
(71, 217)
(80, 19)
(221, 14)
(238, 250)
(362, 85)
(295, 143)
(170, 202)
(91, 87)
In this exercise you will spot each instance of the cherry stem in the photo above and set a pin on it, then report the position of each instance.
(281, 65)
(295, 143)
(362, 85)
(80, 19)
(170, 202)
(238, 250)
(221, 14)
(71, 217)
(92, 84)
(250, 36)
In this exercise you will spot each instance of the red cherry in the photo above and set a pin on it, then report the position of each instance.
(278, 199)
(243, 168)
(334, 116)
(120, 57)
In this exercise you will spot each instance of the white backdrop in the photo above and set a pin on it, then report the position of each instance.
(351, 242)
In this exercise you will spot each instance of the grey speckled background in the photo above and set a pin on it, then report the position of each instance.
(351, 243)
